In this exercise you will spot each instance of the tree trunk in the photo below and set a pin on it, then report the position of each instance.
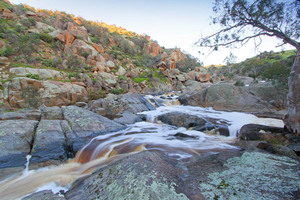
(292, 119)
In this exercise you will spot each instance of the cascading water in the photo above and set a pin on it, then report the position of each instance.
(150, 135)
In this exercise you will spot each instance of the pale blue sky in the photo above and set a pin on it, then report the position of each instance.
(173, 23)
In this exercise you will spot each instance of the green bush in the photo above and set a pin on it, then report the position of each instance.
(46, 37)
(75, 75)
(28, 22)
(123, 78)
(33, 76)
(117, 91)
(49, 62)
(140, 79)
(6, 52)
(24, 45)
(239, 83)
(74, 63)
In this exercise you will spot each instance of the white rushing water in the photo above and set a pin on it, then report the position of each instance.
(234, 120)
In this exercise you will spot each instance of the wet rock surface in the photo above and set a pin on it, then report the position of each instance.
(85, 123)
(256, 132)
(182, 120)
(142, 176)
(228, 174)
(49, 143)
(16, 138)
(45, 195)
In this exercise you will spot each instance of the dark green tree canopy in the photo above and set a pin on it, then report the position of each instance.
(244, 20)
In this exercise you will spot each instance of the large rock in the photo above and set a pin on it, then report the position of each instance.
(51, 113)
(49, 143)
(267, 92)
(78, 31)
(154, 49)
(119, 104)
(108, 78)
(142, 176)
(258, 175)
(21, 114)
(177, 56)
(255, 131)
(182, 120)
(224, 96)
(62, 93)
(82, 46)
(98, 48)
(44, 27)
(53, 93)
(16, 138)
(43, 73)
(86, 124)
(193, 86)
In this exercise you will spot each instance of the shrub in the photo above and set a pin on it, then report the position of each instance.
(239, 83)
(28, 22)
(75, 75)
(33, 76)
(6, 52)
(123, 78)
(140, 79)
(117, 91)
(46, 37)
(74, 63)
(49, 62)
(24, 44)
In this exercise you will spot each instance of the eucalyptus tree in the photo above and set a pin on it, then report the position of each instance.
(248, 20)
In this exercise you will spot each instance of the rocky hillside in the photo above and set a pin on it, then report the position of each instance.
(54, 58)
(274, 66)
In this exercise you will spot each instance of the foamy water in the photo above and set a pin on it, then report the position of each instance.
(234, 120)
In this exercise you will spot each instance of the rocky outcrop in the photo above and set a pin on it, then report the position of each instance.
(42, 73)
(154, 49)
(256, 132)
(50, 92)
(118, 106)
(207, 176)
(16, 138)
(53, 136)
(51, 113)
(203, 77)
(62, 93)
(239, 177)
(225, 96)
(157, 180)
(86, 123)
(182, 120)
(50, 142)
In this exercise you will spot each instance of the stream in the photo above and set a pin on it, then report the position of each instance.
(179, 143)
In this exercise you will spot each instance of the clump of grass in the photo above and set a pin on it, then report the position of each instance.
(33, 76)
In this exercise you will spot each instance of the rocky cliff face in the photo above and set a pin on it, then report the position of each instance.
(69, 59)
